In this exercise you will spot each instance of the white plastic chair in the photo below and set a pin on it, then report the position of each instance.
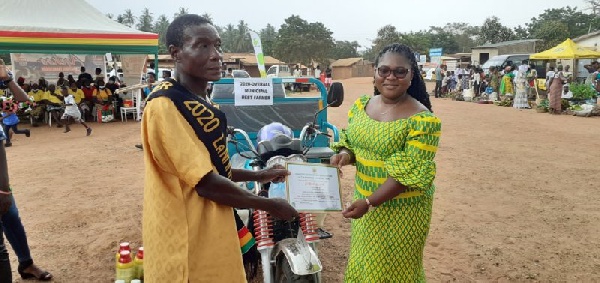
(133, 110)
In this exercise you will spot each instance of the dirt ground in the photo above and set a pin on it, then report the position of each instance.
(516, 196)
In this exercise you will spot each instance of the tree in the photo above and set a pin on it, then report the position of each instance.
(344, 49)
(228, 38)
(552, 33)
(242, 41)
(386, 35)
(594, 5)
(521, 32)
(492, 31)
(444, 39)
(301, 42)
(464, 35)
(160, 27)
(182, 11)
(207, 16)
(419, 41)
(127, 18)
(577, 23)
(268, 36)
(110, 16)
(145, 22)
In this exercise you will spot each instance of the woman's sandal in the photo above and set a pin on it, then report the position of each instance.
(44, 276)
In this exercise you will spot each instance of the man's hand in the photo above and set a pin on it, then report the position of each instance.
(5, 203)
(3, 71)
(275, 174)
(356, 210)
(281, 209)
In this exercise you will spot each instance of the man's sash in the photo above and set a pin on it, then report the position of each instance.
(210, 126)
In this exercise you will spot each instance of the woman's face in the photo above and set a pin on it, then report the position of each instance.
(393, 75)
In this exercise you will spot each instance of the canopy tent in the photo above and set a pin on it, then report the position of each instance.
(69, 27)
(566, 50)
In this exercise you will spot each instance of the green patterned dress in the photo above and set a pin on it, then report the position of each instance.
(387, 242)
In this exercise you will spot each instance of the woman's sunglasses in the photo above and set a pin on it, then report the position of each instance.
(399, 73)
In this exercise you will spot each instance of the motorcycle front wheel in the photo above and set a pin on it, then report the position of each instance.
(284, 274)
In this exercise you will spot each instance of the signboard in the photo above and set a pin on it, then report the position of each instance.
(133, 67)
(435, 55)
(33, 66)
(253, 91)
(451, 66)
(423, 58)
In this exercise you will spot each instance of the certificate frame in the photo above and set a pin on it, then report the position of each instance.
(328, 185)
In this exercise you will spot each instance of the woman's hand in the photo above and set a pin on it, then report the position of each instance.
(341, 159)
(356, 210)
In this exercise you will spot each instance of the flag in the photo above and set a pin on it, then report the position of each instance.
(260, 58)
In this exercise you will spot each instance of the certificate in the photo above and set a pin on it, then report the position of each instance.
(313, 187)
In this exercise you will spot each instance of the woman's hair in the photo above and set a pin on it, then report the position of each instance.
(417, 86)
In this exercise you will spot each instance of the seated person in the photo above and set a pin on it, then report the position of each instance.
(88, 99)
(76, 92)
(54, 104)
(103, 99)
(38, 96)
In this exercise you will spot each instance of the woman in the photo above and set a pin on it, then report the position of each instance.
(494, 79)
(392, 138)
(531, 80)
(555, 91)
(506, 86)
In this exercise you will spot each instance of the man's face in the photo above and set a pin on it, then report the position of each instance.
(151, 79)
(200, 56)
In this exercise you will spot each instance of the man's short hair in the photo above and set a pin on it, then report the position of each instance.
(176, 30)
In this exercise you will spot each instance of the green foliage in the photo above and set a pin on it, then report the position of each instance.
(160, 27)
(492, 31)
(145, 22)
(554, 25)
(268, 36)
(582, 91)
(344, 49)
(544, 104)
(301, 42)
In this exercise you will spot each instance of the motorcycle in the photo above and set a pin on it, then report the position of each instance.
(288, 249)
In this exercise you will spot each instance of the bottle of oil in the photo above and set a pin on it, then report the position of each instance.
(125, 267)
(122, 247)
(138, 262)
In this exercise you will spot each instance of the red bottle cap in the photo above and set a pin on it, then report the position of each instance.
(125, 257)
(124, 247)
(140, 253)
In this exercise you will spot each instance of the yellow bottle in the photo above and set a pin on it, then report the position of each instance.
(138, 262)
(125, 267)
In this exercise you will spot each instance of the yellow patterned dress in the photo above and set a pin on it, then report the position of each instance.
(387, 242)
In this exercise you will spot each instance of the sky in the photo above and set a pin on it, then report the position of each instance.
(351, 20)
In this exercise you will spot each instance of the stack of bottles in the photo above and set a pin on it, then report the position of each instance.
(129, 268)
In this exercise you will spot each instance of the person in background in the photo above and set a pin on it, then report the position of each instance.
(392, 138)
(549, 76)
(506, 85)
(71, 80)
(532, 81)
(328, 77)
(76, 92)
(189, 190)
(61, 79)
(37, 96)
(297, 73)
(555, 91)
(84, 76)
(11, 223)
(10, 121)
(54, 104)
(99, 76)
(318, 72)
(438, 81)
(229, 73)
(72, 112)
(145, 93)
(89, 97)
(166, 74)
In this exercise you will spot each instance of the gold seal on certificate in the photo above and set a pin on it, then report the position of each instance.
(314, 187)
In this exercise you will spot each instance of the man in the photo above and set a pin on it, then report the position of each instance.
(438, 81)
(189, 229)
(84, 76)
(229, 73)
